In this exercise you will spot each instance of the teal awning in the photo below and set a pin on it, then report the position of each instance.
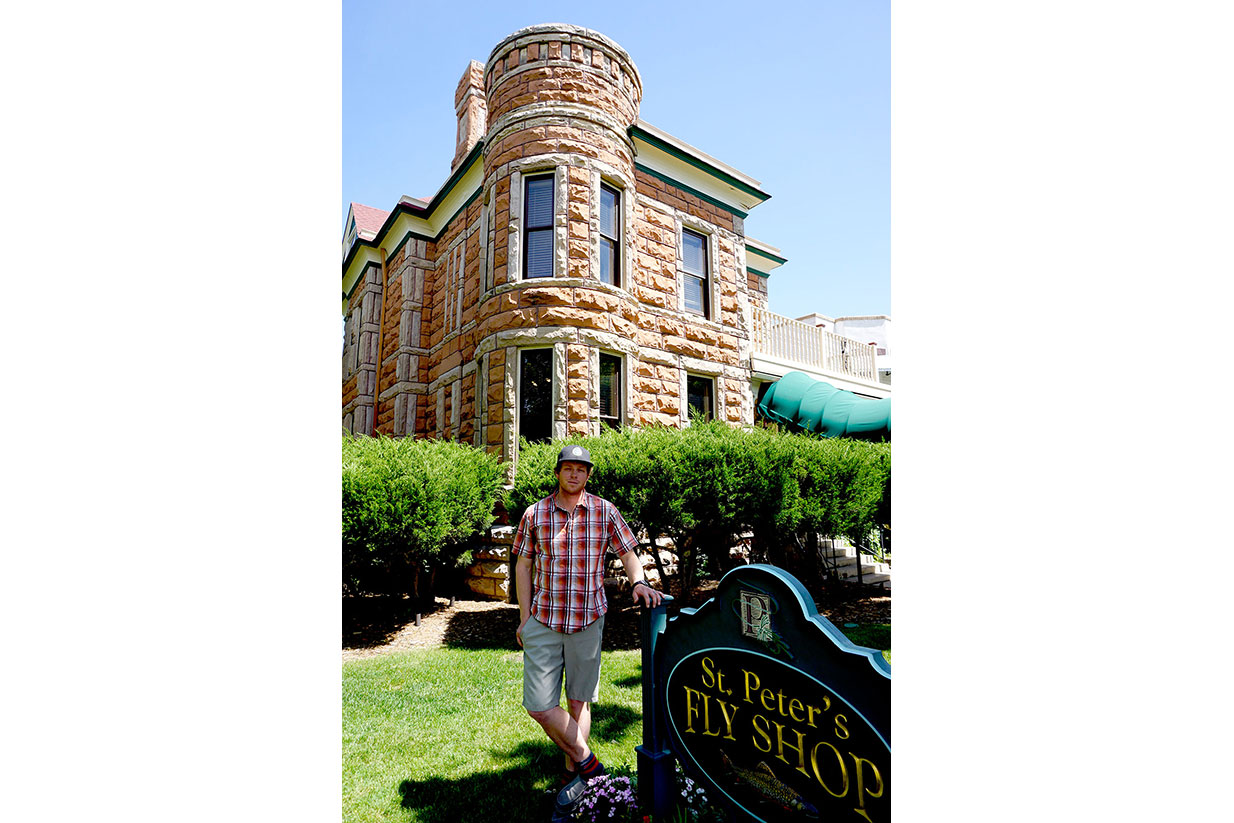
(800, 402)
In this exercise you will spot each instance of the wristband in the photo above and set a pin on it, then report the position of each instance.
(644, 582)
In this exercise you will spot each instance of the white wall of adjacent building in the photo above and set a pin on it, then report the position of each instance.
(873, 328)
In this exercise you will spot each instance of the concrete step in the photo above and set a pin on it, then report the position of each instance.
(847, 559)
(841, 557)
(869, 572)
(871, 580)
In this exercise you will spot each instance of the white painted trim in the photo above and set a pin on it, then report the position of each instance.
(686, 148)
(685, 395)
(674, 168)
(773, 368)
(561, 390)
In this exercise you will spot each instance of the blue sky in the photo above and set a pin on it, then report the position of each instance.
(793, 95)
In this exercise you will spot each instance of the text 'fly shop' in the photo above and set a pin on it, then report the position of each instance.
(767, 704)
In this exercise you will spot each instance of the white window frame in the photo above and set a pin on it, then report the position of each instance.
(516, 231)
(550, 228)
(684, 224)
(685, 395)
(622, 389)
(622, 274)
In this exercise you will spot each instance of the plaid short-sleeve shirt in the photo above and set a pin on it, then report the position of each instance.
(567, 550)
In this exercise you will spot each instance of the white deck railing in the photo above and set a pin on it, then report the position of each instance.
(782, 337)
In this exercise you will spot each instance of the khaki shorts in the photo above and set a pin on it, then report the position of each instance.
(546, 654)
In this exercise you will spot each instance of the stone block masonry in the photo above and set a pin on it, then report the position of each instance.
(491, 574)
(442, 322)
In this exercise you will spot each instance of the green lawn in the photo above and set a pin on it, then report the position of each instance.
(440, 735)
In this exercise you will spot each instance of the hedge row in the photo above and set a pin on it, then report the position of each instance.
(410, 507)
(705, 485)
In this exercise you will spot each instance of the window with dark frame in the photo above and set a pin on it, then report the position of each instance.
(538, 226)
(610, 236)
(698, 396)
(694, 254)
(535, 395)
(610, 391)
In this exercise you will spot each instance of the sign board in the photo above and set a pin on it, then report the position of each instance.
(771, 708)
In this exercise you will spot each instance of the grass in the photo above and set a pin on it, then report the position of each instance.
(873, 635)
(440, 735)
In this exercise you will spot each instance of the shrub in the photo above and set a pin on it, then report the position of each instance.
(706, 484)
(409, 506)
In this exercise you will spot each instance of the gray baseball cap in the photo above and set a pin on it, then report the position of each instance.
(575, 454)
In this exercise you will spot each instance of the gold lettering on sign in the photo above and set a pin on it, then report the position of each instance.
(749, 688)
(800, 748)
(818, 775)
(861, 790)
(813, 709)
(764, 731)
(709, 677)
(728, 719)
(691, 709)
(792, 737)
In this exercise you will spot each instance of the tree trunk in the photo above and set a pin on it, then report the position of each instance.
(415, 591)
(655, 555)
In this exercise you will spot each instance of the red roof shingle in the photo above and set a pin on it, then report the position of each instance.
(368, 219)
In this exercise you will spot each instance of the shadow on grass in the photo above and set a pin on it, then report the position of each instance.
(610, 722)
(373, 620)
(521, 791)
(631, 681)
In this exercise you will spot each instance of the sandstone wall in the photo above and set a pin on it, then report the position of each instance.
(556, 100)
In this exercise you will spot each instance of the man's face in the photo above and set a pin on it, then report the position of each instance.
(572, 477)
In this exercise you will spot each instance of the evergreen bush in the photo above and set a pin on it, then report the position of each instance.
(704, 485)
(410, 507)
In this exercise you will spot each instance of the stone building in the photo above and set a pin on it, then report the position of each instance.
(579, 267)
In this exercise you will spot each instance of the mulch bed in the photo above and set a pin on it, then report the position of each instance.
(375, 626)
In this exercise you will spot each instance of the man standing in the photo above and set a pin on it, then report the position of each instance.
(559, 578)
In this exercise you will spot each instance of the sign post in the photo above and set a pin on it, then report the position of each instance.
(655, 761)
(766, 704)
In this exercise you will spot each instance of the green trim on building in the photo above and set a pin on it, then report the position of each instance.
(763, 274)
(418, 236)
(444, 191)
(689, 190)
(767, 255)
(417, 211)
(360, 279)
(446, 226)
(646, 137)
